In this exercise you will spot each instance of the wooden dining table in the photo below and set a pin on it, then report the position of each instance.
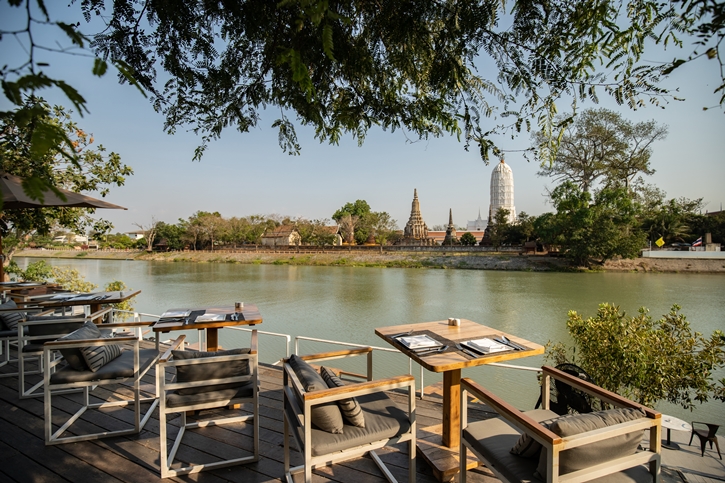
(439, 444)
(248, 315)
(94, 299)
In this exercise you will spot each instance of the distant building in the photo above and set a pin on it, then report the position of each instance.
(335, 231)
(416, 231)
(135, 235)
(478, 224)
(502, 192)
(285, 235)
(439, 236)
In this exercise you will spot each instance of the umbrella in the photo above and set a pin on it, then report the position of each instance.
(15, 198)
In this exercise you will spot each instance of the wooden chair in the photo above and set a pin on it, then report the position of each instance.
(590, 446)
(705, 436)
(32, 334)
(129, 367)
(385, 423)
(192, 390)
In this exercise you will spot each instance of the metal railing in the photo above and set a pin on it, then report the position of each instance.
(287, 337)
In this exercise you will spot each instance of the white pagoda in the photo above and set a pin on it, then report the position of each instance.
(502, 192)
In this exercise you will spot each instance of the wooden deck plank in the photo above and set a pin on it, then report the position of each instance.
(136, 458)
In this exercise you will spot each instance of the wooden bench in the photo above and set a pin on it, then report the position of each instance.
(601, 446)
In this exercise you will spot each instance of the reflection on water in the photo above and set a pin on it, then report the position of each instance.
(344, 303)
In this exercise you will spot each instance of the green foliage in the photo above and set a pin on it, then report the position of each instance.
(643, 359)
(90, 170)
(38, 271)
(223, 63)
(126, 305)
(358, 220)
(499, 227)
(468, 239)
(587, 230)
(71, 279)
(382, 226)
(599, 145)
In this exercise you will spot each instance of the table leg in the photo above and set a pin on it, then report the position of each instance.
(212, 340)
(452, 408)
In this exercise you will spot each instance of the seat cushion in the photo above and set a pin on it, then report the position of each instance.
(210, 370)
(121, 367)
(223, 396)
(326, 416)
(593, 454)
(10, 320)
(383, 420)
(527, 446)
(73, 356)
(349, 407)
(494, 438)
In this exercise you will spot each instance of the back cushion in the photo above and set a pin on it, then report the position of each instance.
(325, 416)
(211, 370)
(10, 320)
(595, 453)
(73, 356)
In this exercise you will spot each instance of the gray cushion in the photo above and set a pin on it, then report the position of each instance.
(325, 416)
(349, 407)
(593, 454)
(527, 446)
(73, 356)
(119, 367)
(10, 320)
(383, 420)
(224, 396)
(494, 438)
(13, 334)
(97, 356)
(211, 370)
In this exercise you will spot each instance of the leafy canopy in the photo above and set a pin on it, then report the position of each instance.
(345, 66)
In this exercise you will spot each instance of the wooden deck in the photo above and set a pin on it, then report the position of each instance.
(136, 458)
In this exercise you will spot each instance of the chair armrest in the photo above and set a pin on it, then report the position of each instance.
(174, 346)
(603, 394)
(508, 412)
(50, 321)
(358, 389)
(86, 342)
(323, 356)
(147, 323)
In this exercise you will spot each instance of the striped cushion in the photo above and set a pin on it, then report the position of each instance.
(98, 356)
(10, 320)
(349, 407)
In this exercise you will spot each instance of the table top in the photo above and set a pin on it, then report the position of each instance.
(249, 315)
(452, 358)
(671, 422)
(95, 298)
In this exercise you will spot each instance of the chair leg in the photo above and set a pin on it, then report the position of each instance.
(463, 459)
(692, 435)
(717, 445)
(703, 443)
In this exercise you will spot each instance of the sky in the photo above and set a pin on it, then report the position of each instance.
(245, 174)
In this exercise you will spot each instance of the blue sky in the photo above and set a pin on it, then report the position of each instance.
(246, 174)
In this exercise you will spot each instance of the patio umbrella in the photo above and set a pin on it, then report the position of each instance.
(14, 198)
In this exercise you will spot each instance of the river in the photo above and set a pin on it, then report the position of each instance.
(347, 304)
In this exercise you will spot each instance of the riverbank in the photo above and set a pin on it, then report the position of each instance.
(398, 259)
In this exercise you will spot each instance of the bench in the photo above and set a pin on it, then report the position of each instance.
(601, 446)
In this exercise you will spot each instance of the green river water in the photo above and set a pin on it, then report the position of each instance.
(347, 304)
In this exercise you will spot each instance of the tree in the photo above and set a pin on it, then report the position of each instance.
(360, 220)
(88, 170)
(383, 226)
(173, 234)
(212, 226)
(468, 239)
(600, 144)
(654, 360)
(522, 230)
(149, 232)
(589, 230)
(499, 227)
